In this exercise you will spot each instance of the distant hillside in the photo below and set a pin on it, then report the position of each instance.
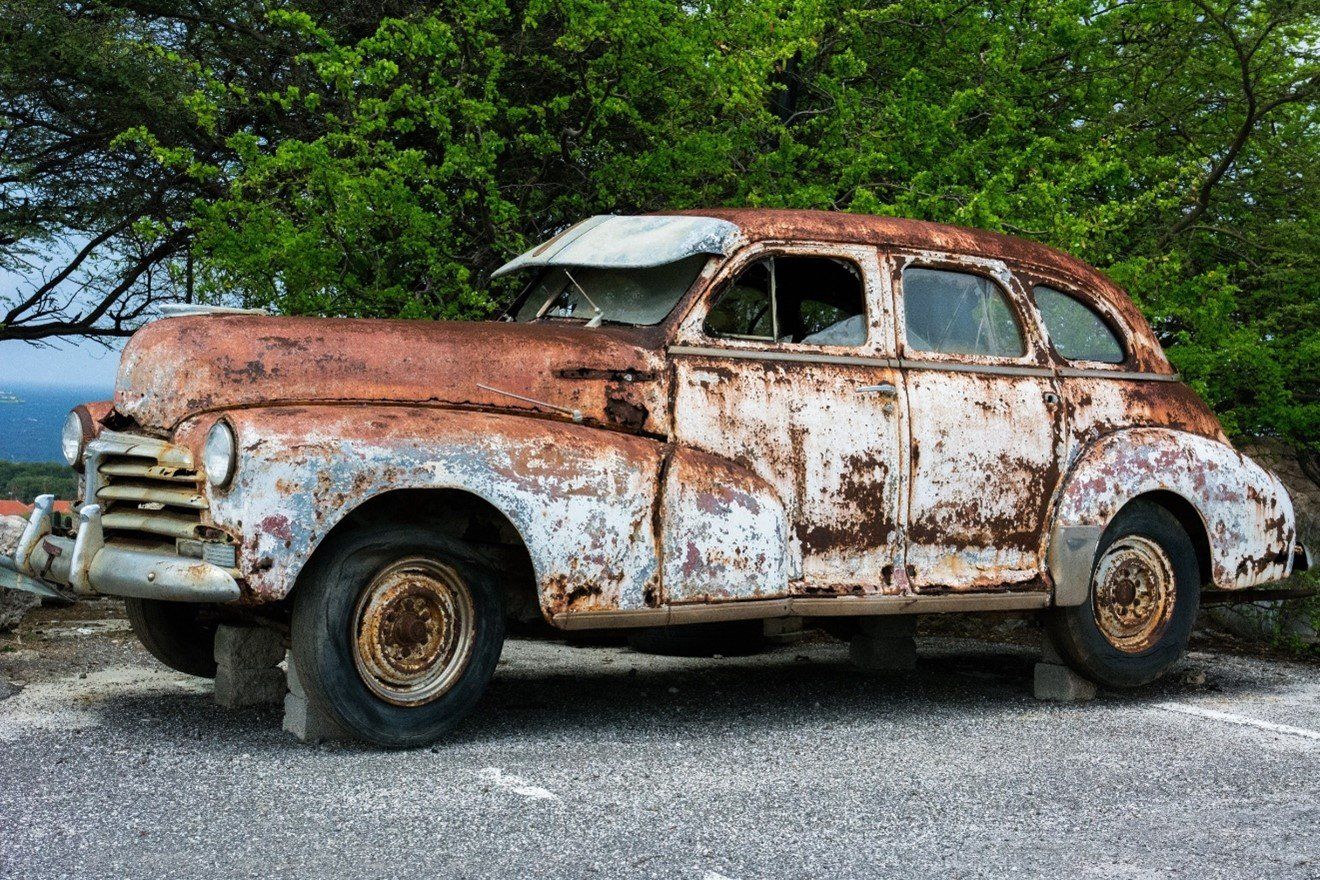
(24, 481)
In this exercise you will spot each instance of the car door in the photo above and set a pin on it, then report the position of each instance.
(985, 424)
(785, 369)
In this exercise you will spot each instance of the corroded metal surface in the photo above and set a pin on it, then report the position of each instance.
(582, 500)
(703, 471)
(1245, 509)
(1134, 594)
(182, 366)
(414, 627)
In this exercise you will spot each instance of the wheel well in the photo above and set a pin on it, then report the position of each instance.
(1190, 519)
(468, 517)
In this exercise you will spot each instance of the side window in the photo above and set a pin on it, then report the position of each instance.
(809, 300)
(1076, 331)
(959, 313)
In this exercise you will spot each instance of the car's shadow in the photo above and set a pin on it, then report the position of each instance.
(615, 694)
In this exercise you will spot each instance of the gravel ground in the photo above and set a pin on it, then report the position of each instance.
(598, 762)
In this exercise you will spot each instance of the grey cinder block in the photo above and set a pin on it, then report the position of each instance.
(1060, 684)
(301, 718)
(248, 647)
(236, 688)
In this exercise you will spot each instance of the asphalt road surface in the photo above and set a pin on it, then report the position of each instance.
(598, 762)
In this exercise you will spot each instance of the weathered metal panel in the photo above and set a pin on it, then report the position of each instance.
(725, 532)
(986, 444)
(833, 454)
(182, 366)
(618, 242)
(1246, 511)
(583, 500)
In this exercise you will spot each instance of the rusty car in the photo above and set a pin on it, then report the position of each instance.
(688, 418)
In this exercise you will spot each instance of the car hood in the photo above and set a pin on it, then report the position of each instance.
(179, 367)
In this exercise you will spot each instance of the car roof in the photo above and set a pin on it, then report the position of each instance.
(777, 224)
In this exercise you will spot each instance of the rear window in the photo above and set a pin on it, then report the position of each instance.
(1075, 330)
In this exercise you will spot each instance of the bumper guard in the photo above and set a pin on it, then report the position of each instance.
(44, 563)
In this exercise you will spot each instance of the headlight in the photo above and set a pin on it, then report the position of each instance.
(219, 454)
(71, 439)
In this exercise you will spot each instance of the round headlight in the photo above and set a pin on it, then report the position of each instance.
(218, 454)
(71, 439)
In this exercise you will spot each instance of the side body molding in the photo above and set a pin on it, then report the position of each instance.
(1246, 512)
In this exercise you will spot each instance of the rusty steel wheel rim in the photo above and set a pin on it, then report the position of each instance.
(1134, 594)
(413, 631)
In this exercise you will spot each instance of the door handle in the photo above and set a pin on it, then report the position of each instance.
(884, 389)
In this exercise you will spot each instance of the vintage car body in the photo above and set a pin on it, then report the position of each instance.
(662, 474)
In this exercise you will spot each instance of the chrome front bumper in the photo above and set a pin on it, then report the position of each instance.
(48, 565)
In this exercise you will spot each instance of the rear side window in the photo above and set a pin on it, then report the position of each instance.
(1076, 331)
(959, 313)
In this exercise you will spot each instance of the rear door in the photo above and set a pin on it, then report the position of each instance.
(985, 424)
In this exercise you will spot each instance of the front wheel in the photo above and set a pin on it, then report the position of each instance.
(396, 632)
(1145, 592)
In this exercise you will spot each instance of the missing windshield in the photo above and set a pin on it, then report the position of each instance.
(618, 296)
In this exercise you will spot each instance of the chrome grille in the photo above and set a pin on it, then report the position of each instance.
(148, 489)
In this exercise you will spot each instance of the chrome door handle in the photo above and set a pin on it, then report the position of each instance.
(884, 389)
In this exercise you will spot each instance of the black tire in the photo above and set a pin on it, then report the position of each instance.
(734, 638)
(1080, 636)
(179, 634)
(328, 650)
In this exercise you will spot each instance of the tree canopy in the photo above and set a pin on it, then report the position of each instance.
(339, 160)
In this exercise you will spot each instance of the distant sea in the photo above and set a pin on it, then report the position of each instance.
(30, 431)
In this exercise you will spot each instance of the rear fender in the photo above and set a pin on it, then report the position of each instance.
(1246, 512)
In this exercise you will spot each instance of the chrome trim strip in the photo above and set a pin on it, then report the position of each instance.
(802, 606)
(910, 364)
(1075, 373)
(790, 356)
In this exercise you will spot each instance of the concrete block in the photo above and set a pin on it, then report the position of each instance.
(310, 726)
(1060, 684)
(301, 718)
(236, 688)
(248, 647)
(885, 644)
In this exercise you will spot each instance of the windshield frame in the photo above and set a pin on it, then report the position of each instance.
(510, 313)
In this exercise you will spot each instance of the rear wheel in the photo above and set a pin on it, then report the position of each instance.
(1145, 592)
(396, 633)
(179, 634)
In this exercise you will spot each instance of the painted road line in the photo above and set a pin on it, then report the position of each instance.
(507, 781)
(1233, 718)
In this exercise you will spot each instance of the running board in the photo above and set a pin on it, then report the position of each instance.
(802, 606)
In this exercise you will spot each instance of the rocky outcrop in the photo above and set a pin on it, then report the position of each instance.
(14, 604)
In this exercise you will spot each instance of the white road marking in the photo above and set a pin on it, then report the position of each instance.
(1233, 718)
(507, 781)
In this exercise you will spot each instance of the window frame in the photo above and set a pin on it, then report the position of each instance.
(864, 259)
(1098, 304)
(1124, 349)
(997, 272)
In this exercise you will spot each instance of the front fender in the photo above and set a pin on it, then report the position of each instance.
(1246, 511)
(582, 498)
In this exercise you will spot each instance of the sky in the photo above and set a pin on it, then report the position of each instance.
(77, 363)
